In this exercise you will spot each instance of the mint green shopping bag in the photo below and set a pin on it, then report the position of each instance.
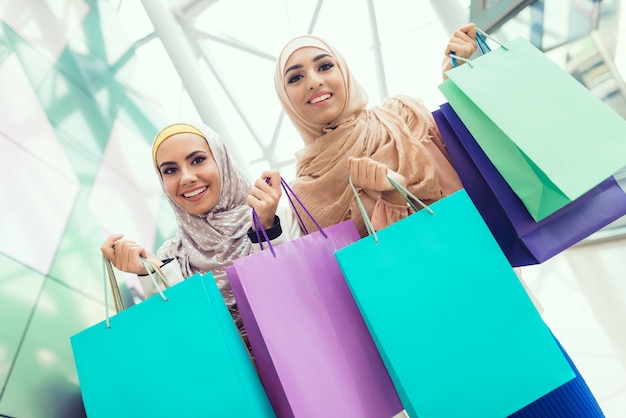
(550, 138)
(176, 354)
(458, 333)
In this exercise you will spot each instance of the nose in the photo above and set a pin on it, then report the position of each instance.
(187, 175)
(315, 81)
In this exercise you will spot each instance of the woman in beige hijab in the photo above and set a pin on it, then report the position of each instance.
(342, 137)
(397, 138)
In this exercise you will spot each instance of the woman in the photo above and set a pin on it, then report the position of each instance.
(211, 198)
(398, 138)
(328, 107)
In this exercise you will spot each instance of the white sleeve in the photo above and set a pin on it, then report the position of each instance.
(172, 272)
(289, 226)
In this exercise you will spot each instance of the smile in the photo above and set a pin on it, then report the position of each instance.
(320, 98)
(194, 192)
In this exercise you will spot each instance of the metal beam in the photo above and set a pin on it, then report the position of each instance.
(378, 53)
(185, 62)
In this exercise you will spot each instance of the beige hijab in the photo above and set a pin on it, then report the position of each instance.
(211, 241)
(401, 133)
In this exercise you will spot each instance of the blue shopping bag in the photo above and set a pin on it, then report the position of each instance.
(458, 333)
(176, 354)
(523, 240)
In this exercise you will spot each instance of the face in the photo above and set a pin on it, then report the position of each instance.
(315, 85)
(189, 172)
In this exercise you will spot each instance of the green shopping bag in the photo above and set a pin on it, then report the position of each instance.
(550, 138)
(175, 354)
(458, 333)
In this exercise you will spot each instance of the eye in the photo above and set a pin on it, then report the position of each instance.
(325, 66)
(294, 78)
(198, 160)
(169, 170)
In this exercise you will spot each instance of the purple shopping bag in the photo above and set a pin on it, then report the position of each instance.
(523, 240)
(314, 353)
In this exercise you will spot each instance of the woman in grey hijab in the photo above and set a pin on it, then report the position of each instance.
(212, 199)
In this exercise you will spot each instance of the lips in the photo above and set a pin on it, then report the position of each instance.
(320, 98)
(195, 193)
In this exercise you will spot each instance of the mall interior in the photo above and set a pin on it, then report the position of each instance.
(86, 85)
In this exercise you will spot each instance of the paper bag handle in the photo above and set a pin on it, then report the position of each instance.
(404, 192)
(118, 301)
(291, 196)
(482, 44)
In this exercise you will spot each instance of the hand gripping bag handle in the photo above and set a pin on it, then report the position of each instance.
(482, 44)
(291, 196)
(404, 192)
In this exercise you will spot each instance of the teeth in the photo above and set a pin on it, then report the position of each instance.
(320, 98)
(194, 193)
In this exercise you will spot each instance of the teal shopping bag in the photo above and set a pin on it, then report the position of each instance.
(176, 356)
(549, 136)
(458, 333)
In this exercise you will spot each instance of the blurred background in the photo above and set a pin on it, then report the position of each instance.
(86, 84)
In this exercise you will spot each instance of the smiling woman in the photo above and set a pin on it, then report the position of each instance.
(189, 172)
(212, 199)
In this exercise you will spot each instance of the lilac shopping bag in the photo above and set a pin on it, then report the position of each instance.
(314, 353)
(523, 240)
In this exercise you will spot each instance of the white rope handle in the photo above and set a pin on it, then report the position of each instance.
(404, 192)
(108, 272)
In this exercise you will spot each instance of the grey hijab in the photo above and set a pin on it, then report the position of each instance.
(211, 241)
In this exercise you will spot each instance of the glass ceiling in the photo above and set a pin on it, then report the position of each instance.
(215, 59)
(393, 46)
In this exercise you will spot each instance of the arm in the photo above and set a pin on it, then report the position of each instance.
(462, 43)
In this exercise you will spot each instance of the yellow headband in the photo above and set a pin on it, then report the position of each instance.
(178, 128)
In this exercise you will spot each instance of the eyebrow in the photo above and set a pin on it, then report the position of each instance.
(187, 158)
(298, 66)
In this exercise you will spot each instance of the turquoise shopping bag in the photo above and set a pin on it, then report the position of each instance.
(458, 333)
(177, 354)
(549, 136)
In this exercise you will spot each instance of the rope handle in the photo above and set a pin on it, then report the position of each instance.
(404, 192)
(291, 195)
(109, 275)
(482, 44)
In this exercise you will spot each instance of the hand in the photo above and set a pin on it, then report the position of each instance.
(462, 43)
(125, 254)
(264, 197)
(372, 175)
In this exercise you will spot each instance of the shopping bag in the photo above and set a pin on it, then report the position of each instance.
(312, 348)
(549, 137)
(523, 240)
(459, 335)
(175, 354)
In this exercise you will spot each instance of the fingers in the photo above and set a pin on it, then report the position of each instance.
(468, 29)
(272, 178)
(125, 255)
(463, 41)
(369, 174)
(107, 247)
(461, 44)
(264, 197)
